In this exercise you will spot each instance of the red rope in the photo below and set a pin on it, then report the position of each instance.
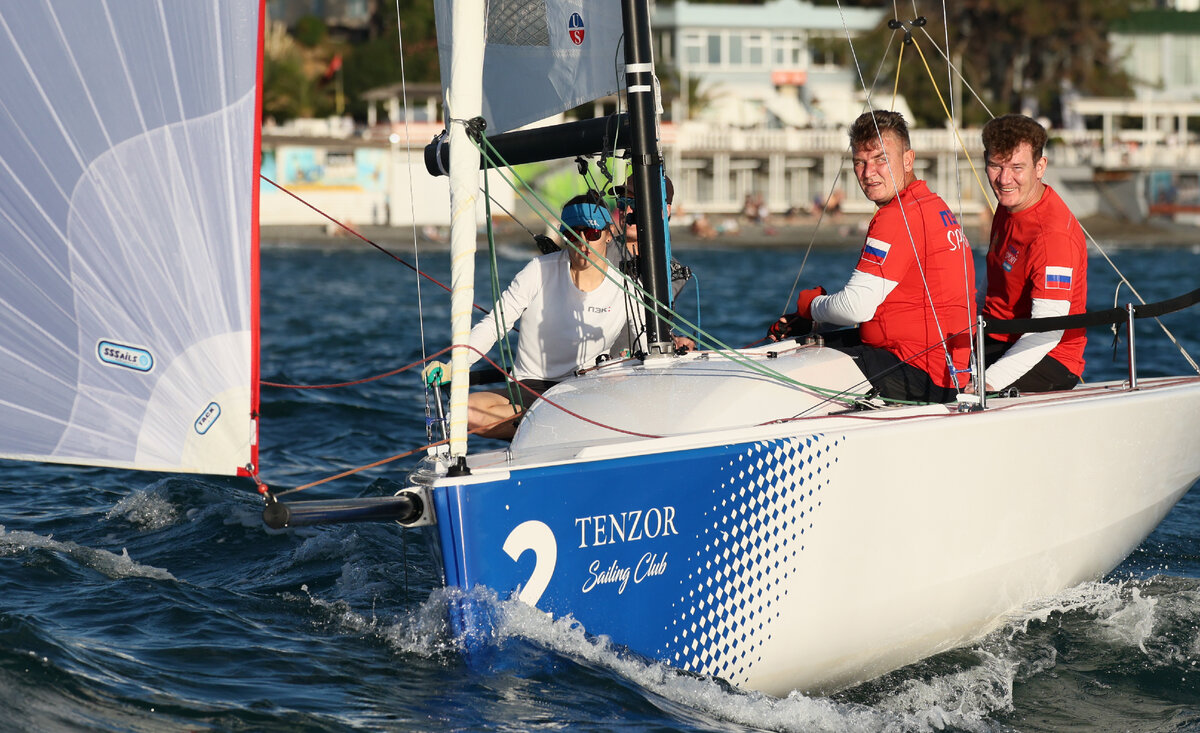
(264, 489)
(428, 277)
(364, 380)
(554, 404)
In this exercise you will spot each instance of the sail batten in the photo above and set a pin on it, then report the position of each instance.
(128, 135)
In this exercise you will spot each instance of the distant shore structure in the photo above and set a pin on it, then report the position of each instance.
(1131, 174)
(773, 132)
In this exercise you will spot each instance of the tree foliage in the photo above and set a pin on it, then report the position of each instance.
(288, 92)
(379, 62)
(297, 78)
(1016, 55)
(288, 88)
(310, 31)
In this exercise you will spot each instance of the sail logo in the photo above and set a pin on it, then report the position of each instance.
(208, 417)
(575, 28)
(121, 355)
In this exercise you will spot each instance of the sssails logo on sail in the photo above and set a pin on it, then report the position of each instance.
(122, 355)
(575, 28)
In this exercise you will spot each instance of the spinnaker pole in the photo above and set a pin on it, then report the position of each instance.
(647, 173)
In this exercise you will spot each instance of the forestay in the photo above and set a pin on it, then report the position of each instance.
(542, 57)
(128, 180)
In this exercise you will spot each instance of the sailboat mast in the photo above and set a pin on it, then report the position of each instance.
(464, 101)
(647, 173)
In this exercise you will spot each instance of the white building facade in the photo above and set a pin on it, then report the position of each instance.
(783, 64)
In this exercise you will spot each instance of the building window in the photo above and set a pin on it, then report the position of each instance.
(755, 50)
(787, 49)
(830, 51)
(666, 48)
(693, 48)
(725, 50)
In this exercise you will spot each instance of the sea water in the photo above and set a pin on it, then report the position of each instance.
(147, 602)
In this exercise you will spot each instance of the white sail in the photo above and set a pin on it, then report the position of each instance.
(128, 167)
(541, 57)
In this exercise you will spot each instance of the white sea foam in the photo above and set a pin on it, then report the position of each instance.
(425, 631)
(962, 699)
(145, 510)
(1128, 622)
(1155, 618)
(1085, 596)
(1122, 614)
(960, 702)
(112, 565)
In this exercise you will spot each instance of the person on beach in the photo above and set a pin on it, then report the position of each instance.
(913, 290)
(571, 311)
(1036, 264)
(626, 222)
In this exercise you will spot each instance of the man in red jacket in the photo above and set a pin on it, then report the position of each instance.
(913, 290)
(1036, 264)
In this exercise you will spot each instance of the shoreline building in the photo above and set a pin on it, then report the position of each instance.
(783, 64)
(771, 88)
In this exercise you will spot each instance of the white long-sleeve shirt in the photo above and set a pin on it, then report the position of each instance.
(1030, 348)
(562, 327)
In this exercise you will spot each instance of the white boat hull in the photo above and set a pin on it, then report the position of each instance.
(821, 552)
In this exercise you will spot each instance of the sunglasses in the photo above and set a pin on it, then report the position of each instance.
(587, 233)
(627, 205)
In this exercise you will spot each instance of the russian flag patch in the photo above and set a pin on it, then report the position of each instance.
(1058, 278)
(875, 251)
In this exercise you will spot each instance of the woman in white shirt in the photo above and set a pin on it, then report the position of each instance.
(571, 311)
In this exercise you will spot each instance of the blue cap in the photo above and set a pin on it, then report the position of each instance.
(584, 216)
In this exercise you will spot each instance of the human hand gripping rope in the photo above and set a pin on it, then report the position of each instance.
(797, 323)
(436, 373)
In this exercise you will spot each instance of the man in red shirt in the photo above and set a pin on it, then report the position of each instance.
(913, 290)
(1036, 264)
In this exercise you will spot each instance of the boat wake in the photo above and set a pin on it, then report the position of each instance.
(1102, 634)
(1098, 636)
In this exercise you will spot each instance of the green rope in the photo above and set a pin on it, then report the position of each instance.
(502, 338)
(492, 156)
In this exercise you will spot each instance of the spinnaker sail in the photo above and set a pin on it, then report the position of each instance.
(129, 147)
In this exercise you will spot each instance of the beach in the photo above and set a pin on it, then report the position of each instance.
(846, 232)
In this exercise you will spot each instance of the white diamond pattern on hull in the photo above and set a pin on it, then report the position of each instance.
(761, 509)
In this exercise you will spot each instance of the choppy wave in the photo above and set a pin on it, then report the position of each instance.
(144, 602)
(113, 566)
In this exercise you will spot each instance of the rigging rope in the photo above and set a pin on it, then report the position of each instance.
(895, 24)
(627, 284)
(412, 214)
(263, 489)
(1091, 240)
(351, 230)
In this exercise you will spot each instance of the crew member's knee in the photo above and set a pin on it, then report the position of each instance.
(492, 414)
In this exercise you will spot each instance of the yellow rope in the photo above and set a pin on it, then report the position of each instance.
(896, 86)
(954, 127)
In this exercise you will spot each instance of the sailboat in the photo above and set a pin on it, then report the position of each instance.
(716, 510)
(724, 516)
